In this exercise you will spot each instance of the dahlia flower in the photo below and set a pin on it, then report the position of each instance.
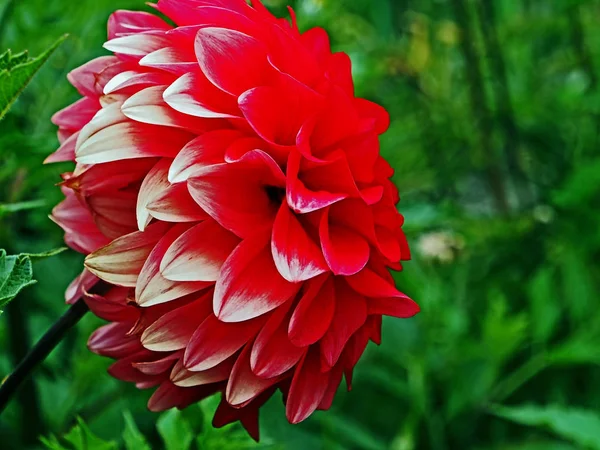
(238, 220)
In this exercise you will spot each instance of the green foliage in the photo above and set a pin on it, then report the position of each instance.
(175, 431)
(582, 427)
(21, 206)
(16, 71)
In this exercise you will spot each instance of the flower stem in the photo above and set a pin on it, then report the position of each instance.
(40, 351)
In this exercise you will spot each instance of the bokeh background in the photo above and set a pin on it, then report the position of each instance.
(495, 141)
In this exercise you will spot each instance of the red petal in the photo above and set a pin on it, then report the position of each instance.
(112, 306)
(334, 382)
(175, 204)
(272, 353)
(182, 377)
(296, 255)
(122, 23)
(151, 287)
(85, 78)
(308, 388)
(174, 330)
(345, 251)
(158, 366)
(83, 283)
(250, 285)
(112, 341)
(313, 314)
(199, 253)
(222, 52)
(236, 195)
(204, 151)
(244, 386)
(195, 95)
(350, 315)
(215, 341)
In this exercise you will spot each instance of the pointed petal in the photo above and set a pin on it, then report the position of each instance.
(296, 255)
(221, 52)
(215, 341)
(137, 45)
(112, 341)
(151, 287)
(174, 330)
(244, 386)
(350, 315)
(313, 314)
(272, 352)
(175, 204)
(195, 95)
(308, 388)
(249, 285)
(121, 261)
(153, 185)
(199, 253)
(182, 377)
(204, 151)
(83, 283)
(158, 366)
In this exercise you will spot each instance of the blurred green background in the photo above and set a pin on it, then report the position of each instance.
(495, 140)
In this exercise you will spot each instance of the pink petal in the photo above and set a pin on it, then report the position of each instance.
(132, 22)
(250, 285)
(215, 341)
(308, 388)
(222, 52)
(174, 330)
(85, 78)
(83, 283)
(112, 341)
(313, 314)
(121, 261)
(76, 116)
(151, 287)
(199, 253)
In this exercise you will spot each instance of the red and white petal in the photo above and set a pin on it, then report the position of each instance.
(249, 284)
(122, 23)
(193, 94)
(158, 366)
(243, 385)
(153, 185)
(80, 285)
(204, 151)
(151, 287)
(199, 253)
(215, 341)
(308, 388)
(222, 52)
(174, 330)
(175, 204)
(121, 261)
(85, 78)
(112, 341)
(137, 45)
(182, 377)
(296, 255)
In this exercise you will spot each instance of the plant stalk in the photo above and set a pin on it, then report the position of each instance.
(40, 351)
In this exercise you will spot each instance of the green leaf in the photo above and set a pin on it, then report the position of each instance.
(16, 71)
(21, 206)
(16, 273)
(579, 426)
(175, 431)
(82, 438)
(134, 439)
(544, 304)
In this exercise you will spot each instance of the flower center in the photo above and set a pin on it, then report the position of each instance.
(276, 194)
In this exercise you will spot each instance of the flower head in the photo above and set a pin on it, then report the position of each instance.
(238, 218)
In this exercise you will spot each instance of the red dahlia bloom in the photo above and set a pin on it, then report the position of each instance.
(231, 198)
